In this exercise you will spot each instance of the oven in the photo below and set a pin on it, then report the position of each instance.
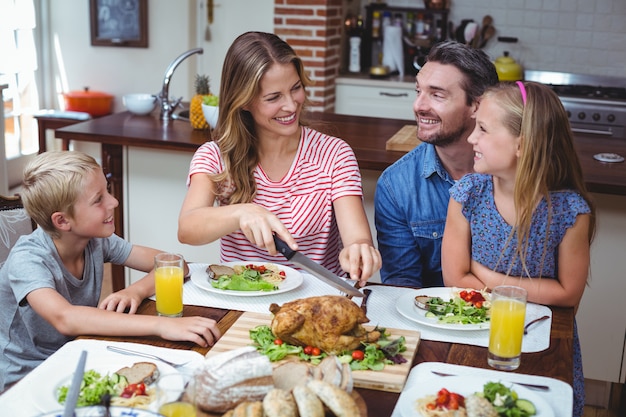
(595, 105)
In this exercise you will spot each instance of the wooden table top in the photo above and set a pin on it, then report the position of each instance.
(555, 362)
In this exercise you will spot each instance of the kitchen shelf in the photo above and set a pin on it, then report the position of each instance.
(439, 18)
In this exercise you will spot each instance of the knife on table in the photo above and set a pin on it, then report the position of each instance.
(314, 268)
(77, 379)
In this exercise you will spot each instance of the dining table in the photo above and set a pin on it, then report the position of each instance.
(554, 362)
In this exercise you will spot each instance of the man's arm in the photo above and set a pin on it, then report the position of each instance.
(402, 260)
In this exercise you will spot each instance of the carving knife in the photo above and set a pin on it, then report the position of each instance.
(315, 269)
(77, 379)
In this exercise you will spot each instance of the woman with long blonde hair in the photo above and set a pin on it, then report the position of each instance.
(267, 173)
(524, 217)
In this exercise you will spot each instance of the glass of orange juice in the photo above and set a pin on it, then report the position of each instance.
(168, 282)
(508, 310)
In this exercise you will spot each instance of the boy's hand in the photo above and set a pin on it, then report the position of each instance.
(122, 301)
(200, 330)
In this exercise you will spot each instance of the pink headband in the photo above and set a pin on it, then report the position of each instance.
(522, 90)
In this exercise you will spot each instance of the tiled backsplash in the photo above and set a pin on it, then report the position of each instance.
(578, 36)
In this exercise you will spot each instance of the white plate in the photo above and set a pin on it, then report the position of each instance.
(406, 306)
(464, 385)
(98, 411)
(293, 279)
(45, 396)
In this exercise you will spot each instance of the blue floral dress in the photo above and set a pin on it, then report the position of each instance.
(493, 248)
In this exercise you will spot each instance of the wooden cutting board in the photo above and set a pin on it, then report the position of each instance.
(391, 379)
(404, 140)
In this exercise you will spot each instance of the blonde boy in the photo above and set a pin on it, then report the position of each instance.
(51, 282)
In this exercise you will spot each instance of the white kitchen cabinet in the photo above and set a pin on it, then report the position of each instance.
(600, 317)
(154, 190)
(375, 98)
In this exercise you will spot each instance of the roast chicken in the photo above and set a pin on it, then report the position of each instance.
(331, 323)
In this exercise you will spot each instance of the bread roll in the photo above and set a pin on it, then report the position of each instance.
(292, 373)
(279, 403)
(227, 379)
(347, 381)
(309, 405)
(248, 409)
(336, 399)
(331, 370)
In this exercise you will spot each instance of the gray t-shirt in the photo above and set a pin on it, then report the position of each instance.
(26, 339)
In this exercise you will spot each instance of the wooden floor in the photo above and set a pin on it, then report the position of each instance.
(589, 411)
(601, 412)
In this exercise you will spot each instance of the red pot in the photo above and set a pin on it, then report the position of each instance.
(95, 103)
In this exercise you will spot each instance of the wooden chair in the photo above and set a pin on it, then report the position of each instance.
(14, 222)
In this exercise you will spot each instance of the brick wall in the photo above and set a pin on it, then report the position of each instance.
(313, 29)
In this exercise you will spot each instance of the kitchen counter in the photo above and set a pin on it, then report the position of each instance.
(366, 135)
(407, 81)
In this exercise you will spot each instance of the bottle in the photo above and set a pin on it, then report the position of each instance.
(355, 54)
(409, 26)
(428, 27)
(386, 20)
(419, 25)
(359, 25)
(376, 24)
(397, 20)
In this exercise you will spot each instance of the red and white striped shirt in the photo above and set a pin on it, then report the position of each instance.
(323, 170)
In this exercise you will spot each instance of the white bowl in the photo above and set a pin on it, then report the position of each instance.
(210, 114)
(140, 104)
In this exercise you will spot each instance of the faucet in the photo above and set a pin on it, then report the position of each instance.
(168, 106)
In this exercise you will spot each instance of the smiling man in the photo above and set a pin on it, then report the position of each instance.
(412, 195)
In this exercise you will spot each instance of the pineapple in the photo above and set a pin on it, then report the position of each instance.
(196, 116)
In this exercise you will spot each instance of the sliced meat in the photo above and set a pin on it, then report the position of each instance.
(215, 271)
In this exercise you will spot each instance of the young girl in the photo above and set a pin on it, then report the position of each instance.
(525, 217)
(266, 173)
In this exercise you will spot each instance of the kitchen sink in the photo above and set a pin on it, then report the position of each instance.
(182, 115)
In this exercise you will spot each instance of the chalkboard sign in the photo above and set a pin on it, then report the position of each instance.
(119, 23)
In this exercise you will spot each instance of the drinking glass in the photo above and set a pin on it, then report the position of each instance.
(168, 281)
(172, 402)
(508, 310)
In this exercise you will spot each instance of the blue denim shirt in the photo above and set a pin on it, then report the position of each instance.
(411, 205)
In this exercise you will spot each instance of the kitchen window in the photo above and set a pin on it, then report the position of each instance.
(18, 70)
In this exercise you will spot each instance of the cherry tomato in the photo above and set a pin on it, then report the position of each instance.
(134, 390)
(453, 404)
(477, 297)
(458, 398)
(443, 396)
(282, 273)
(316, 351)
(478, 304)
(278, 342)
(308, 350)
(358, 355)
(463, 294)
